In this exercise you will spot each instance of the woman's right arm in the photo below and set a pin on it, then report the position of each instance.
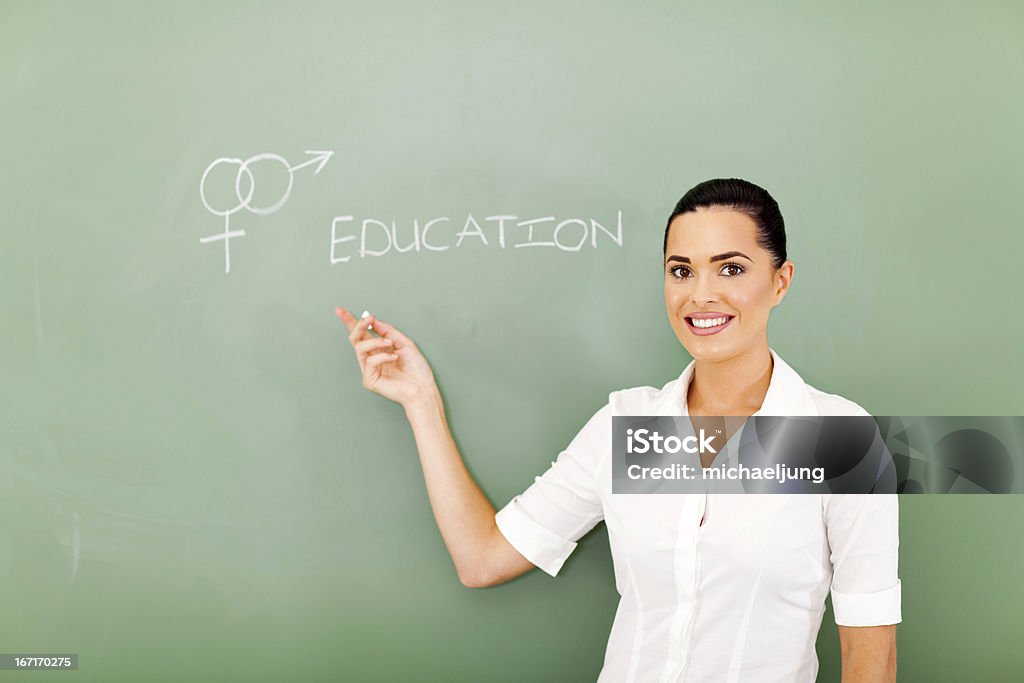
(393, 367)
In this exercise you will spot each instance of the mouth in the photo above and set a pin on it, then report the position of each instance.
(703, 324)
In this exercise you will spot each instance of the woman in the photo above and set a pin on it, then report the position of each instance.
(713, 587)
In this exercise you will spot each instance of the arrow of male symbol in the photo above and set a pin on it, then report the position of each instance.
(321, 156)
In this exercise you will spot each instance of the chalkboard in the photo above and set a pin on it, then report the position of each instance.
(193, 483)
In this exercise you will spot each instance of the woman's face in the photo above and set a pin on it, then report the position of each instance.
(720, 285)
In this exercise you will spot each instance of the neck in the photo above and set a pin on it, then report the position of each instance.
(733, 386)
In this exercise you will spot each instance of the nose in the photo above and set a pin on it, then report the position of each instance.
(703, 292)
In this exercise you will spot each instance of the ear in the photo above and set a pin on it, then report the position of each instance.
(782, 279)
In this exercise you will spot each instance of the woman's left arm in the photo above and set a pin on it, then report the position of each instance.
(869, 653)
(863, 536)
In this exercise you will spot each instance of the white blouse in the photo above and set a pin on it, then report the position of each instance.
(715, 587)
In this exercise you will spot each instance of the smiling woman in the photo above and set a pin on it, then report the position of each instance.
(725, 270)
(713, 587)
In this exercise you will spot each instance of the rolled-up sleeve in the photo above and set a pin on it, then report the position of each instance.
(863, 537)
(544, 522)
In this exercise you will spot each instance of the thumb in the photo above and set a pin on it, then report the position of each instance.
(390, 332)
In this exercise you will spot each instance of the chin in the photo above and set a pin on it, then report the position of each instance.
(710, 355)
(710, 350)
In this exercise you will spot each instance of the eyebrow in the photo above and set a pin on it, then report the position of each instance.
(716, 257)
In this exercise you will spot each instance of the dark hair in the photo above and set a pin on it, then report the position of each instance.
(742, 196)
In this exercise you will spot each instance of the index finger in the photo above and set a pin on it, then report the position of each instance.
(350, 320)
(357, 328)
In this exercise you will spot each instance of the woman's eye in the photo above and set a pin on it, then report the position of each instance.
(682, 272)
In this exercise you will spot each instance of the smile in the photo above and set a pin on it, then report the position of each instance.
(705, 325)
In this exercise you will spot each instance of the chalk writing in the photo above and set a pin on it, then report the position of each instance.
(244, 172)
(374, 237)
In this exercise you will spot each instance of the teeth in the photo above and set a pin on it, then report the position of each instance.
(710, 322)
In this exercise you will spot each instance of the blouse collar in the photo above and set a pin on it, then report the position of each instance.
(787, 393)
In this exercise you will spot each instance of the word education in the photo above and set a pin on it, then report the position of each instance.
(373, 237)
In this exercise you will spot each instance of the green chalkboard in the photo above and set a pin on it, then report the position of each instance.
(193, 483)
